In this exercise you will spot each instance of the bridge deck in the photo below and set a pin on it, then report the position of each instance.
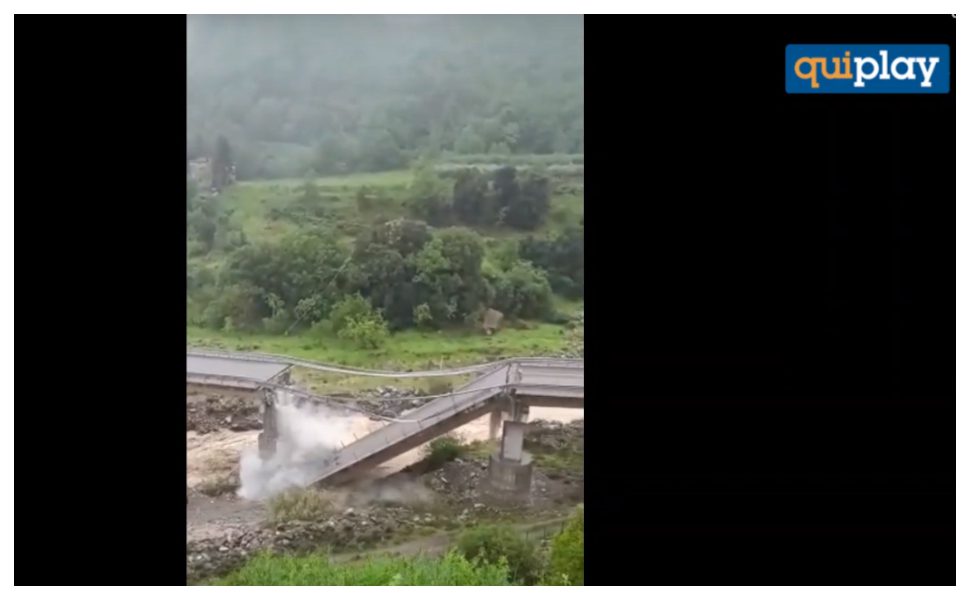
(226, 367)
(538, 382)
(551, 384)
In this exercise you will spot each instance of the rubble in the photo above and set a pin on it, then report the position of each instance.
(389, 401)
(551, 435)
(350, 530)
(206, 413)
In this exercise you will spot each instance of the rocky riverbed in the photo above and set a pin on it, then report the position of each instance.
(223, 530)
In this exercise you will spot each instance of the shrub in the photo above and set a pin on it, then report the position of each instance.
(368, 331)
(354, 319)
(522, 291)
(422, 315)
(566, 556)
(300, 505)
(316, 569)
(494, 543)
(351, 306)
(442, 450)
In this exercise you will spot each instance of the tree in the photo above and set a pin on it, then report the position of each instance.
(469, 142)
(298, 266)
(428, 197)
(527, 208)
(382, 270)
(474, 83)
(448, 275)
(562, 257)
(222, 166)
(522, 291)
(471, 200)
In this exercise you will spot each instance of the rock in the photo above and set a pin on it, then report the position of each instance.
(349, 511)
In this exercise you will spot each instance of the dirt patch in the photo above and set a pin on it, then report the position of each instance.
(463, 484)
(207, 412)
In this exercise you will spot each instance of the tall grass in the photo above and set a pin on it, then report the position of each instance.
(452, 569)
(300, 505)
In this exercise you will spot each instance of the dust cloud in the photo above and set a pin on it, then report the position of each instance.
(308, 434)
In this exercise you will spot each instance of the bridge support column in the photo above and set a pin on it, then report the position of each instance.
(494, 424)
(510, 468)
(520, 412)
(269, 435)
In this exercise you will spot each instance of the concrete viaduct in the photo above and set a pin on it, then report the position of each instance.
(505, 389)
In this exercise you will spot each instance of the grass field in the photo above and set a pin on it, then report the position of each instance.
(410, 349)
(259, 206)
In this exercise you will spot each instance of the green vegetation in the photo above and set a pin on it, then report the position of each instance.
(566, 566)
(252, 278)
(408, 349)
(452, 162)
(443, 449)
(317, 569)
(300, 505)
(496, 543)
(495, 554)
(559, 461)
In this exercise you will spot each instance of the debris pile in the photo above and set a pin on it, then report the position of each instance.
(210, 412)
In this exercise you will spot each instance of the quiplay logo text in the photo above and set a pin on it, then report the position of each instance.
(867, 69)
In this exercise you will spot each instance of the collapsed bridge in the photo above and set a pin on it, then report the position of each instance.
(505, 389)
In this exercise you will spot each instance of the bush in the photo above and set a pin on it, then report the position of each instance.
(368, 331)
(451, 569)
(522, 291)
(566, 558)
(422, 315)
(350, 307)
(442, 450)
(494, 543)
(300, 505)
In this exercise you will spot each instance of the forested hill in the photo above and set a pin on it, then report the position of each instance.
(340, 94)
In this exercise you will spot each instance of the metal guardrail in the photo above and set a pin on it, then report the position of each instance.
(310, 364)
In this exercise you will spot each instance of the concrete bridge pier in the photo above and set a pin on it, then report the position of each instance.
(495, 423)
(510, 468)
(270, 433)
(520, 411)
